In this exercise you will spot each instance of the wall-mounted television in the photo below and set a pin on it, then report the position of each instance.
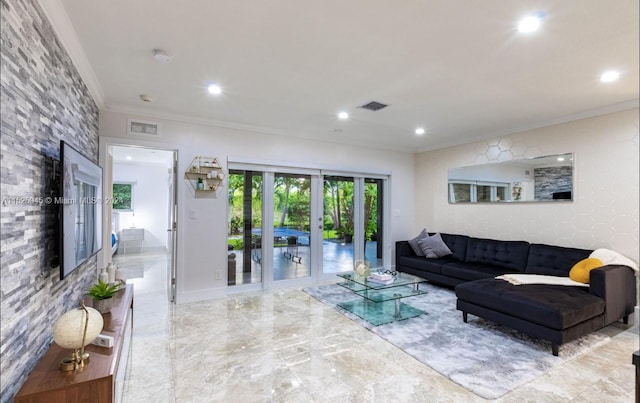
(81, 211)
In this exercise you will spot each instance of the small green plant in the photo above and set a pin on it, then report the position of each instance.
(347, 229)
(102, 290)
(237, 244)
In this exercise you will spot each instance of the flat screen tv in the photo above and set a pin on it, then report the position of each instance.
(81, 209)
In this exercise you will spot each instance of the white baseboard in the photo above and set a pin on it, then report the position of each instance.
(200, 295)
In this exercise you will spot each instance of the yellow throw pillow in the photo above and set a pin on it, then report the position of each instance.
(580, 271)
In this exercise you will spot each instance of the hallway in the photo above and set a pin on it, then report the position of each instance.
(149, 370)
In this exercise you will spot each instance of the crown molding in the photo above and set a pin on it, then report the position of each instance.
(176, 117)
(59, 19)
(144, 113)
(621, 106)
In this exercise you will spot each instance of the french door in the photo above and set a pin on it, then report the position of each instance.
(354, 214)
(294, 225)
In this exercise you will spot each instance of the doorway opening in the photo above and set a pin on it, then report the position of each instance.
(142, 217)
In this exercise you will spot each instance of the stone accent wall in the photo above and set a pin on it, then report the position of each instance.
(550, 180)
(43, 101)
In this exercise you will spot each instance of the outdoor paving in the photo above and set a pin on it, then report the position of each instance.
(337, 257)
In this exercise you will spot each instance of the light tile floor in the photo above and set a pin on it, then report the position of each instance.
(284, 346)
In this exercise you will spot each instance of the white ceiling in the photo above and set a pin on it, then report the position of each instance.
(458, 68)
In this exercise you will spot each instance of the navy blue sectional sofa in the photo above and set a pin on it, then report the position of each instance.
(555, 313)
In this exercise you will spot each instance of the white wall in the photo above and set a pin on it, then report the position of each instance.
(202, 241)
(605, 208)
(150, 201)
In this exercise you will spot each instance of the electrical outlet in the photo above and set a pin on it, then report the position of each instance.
(218, 275)
(103, 341)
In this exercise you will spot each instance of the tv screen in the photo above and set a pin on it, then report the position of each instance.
(81, 222)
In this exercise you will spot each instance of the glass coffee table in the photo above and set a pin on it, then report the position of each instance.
(380, 303)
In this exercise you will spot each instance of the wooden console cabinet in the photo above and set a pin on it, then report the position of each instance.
(100, 381)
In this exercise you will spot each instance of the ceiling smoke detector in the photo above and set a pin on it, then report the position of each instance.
(162, 56)
(374, 106)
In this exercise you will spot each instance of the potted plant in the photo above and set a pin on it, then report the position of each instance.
(347, 230)
(102, 294)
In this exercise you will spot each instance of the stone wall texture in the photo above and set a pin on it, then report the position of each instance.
(550, 180)
(43, 100)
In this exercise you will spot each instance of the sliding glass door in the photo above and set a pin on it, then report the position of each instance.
(374, 221)
(245, 214)
(353, 222)
(338, 232)
(289, 226)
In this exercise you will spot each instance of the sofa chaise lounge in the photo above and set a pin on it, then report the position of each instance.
(556, 313)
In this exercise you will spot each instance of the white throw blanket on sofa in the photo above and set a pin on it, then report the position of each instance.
(519, 279)
(609, 256)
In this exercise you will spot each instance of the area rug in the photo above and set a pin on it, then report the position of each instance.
(485, 358)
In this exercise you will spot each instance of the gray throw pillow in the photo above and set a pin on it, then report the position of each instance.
(434, 247)
(414, 242)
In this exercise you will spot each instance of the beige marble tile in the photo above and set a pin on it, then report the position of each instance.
(284, 346)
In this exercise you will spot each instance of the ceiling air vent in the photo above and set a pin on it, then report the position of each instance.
(374, 106)
(139, 127)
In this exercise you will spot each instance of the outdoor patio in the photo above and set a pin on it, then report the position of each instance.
(337, 257)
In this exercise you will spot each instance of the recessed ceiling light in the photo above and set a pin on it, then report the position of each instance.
(162, 56)
(215, 89)
(419, 131)
(530, 23)
(343, 115)
(609, 76)
(128, 157)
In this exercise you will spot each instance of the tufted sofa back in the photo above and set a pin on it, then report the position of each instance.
(457, 244)
(510, 255)
(553, 260)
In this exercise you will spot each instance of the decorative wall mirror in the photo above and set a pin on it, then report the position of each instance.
(542, 179)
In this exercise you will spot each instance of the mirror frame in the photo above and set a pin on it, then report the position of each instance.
(502, 186)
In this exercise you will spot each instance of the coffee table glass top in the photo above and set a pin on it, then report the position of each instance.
(399, 280)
